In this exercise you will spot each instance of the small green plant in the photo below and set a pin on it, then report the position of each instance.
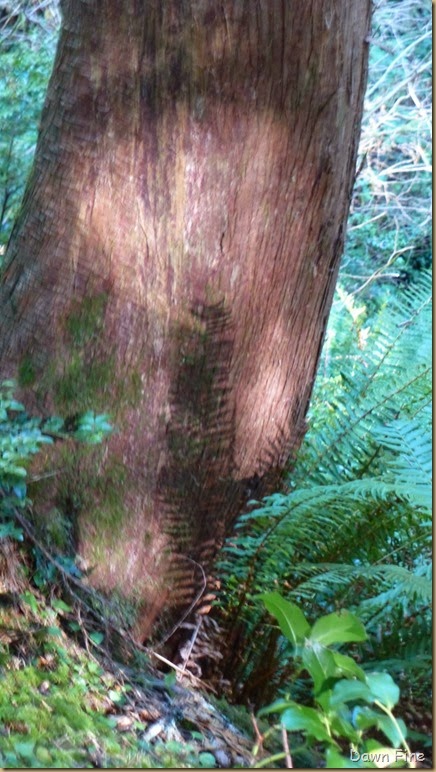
(22, 436)
(348, 705)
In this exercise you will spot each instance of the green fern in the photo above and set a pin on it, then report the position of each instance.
(411, 465)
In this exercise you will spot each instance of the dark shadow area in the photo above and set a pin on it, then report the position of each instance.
(198, 494)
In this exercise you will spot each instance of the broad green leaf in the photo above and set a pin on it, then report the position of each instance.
(276, 707)
(94, 668)
(364, 717)
(9, 530)
(53, 424)
(395, 730)
(322, 697)
(54, 631)
(11, 759)
(341, 727)
(350, 691)
(206, 760)
(319, 662)
(43, 756)
(20, 490)
(116, 697)
(96, 637)
(30, 600)
(16, 406)
(170, 679)
(299, 718)
(384, 689)
(335, 760)
(347, 667)
(60, 605)
(25, 748)
(381, 756)
(339, 627)
(18, 471)
(291, 619)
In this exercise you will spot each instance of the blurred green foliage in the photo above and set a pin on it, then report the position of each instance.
(389, 231)
(26, 61)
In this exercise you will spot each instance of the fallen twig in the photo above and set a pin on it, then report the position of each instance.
(259, 736)
(288, 757)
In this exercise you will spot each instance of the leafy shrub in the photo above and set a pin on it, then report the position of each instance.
(21, 437)
(346, 701)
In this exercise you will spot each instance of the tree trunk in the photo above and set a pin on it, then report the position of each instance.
(174, 263)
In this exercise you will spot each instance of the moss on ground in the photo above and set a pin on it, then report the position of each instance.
(60, 709)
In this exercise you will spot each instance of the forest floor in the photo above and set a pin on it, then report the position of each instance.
(68, 701)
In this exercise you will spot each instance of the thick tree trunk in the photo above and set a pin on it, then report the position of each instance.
(175, 259)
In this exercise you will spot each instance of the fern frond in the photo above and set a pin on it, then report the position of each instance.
(402, 584)
(412, 462)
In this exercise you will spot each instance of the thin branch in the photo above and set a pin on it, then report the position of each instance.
(259, 736)
(381, 270)
(288, 757)
(191, 644)
(178, 669)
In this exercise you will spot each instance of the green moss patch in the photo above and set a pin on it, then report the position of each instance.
(86, 319)
(84, 383)
(26, 371)
(54, 713)
(104, 482)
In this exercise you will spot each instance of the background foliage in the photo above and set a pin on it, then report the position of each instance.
(28, 36)
(388, 236)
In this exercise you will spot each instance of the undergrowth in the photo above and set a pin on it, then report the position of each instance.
(59, 707)
(353, 529)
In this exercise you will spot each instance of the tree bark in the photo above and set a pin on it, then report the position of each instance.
(174, 263)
